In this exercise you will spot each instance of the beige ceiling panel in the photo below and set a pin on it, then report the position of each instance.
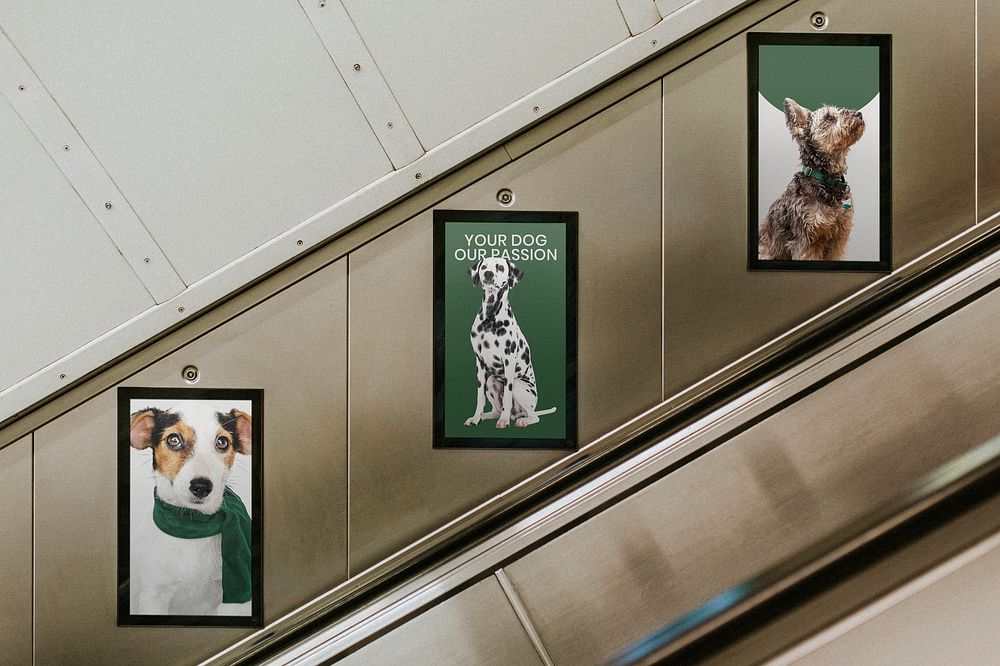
(224, 123)
(62, 282)
(453, 63)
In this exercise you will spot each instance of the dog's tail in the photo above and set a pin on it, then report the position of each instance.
(545, 411)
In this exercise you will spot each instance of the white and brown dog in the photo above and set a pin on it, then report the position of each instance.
(504, 371)
(193, 448)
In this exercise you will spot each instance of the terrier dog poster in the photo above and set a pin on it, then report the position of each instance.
(189, 507)
(505, 329)
(819, 142)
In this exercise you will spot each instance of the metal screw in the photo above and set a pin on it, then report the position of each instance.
(535, 109)
(505, 197)
(62, 375)
(146, 260)
(654, 42)
(191, 374)
(180, 309)
(819, 20)
(21, 87)
(298, 242)
(107, 204)
(357, 67)
(418, 176)
(322, 4)
(66, 146)
(389, 124)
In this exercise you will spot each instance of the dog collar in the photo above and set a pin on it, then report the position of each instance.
(839, 183)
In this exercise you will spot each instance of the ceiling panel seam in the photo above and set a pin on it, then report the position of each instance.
(50, 126)
(640, 15)
(343, 42)
(380, 195)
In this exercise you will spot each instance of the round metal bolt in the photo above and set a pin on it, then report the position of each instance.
(505, 197)
(322, 4)
(534, 109)
(654, 42)
(21, 87)
(191, 374)
(299, 242)
(357, 67)
(62, 375)
(418, 175)
(66, 146)
(389, 124)
(107, 204)
(146, 260)
(180, 309)
(819, 21)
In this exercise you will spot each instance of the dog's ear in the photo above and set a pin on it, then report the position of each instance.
(244, 430)
(515, 273)
(474, 272)
(796, 117)
(141, 429)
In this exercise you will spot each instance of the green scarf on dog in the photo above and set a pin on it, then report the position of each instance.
(232, 521)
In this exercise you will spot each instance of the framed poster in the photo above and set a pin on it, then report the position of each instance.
(505, 329)
(820, 187)
(189, 506)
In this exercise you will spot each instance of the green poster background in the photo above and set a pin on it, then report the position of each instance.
(538, 302)
(814, 75)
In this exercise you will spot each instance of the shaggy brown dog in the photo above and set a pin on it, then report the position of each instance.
(812, 218)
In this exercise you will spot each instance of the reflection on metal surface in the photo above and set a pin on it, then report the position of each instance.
(824, 462)
(702, 630)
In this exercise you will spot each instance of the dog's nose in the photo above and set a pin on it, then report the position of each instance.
(488, 275)
(201, 487)
(857, 114)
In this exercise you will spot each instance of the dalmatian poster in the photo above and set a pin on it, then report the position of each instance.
(505, 329)
(819, 163)
(189, 507)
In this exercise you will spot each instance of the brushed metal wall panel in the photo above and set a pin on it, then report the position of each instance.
(294, 347)
(478, 626)
(606, 168)
(15, 552)
(989, 108)
(820, 464)
(715, 310)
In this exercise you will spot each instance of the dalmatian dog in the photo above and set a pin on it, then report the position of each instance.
(504, 372)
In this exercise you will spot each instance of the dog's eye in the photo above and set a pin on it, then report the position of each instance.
(174, 440)
(221, 443)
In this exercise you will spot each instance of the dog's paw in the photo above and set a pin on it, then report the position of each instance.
(522, 423)
(472, 421)
(502, 423)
